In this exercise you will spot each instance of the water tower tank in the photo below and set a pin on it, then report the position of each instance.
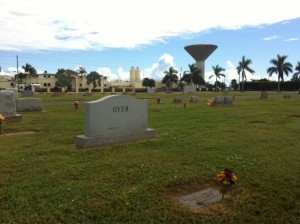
(200, 52)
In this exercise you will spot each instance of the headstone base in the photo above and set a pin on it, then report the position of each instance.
(14, 118)
(83, 141)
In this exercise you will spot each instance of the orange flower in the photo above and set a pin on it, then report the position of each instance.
(234, 178)
(210, 102)
(227, 177)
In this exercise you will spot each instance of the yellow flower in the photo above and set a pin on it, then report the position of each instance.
(2, 118)
(221, 176)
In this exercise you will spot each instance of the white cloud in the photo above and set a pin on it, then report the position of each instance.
(156, 71)
(271, 38)
(291, 39)
(105, 71)
(120, 75)
(11, 71)
(230, 72)
(79, 25)
(123, 75)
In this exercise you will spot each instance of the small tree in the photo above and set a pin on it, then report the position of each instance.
(148, 82)
(63, 80)
(280, 67)
(29, 71)
(243, 67)
(217, 72)
(170, 77)
(193, 76)
(296, 75)
(234, 84)
(94, 78)
(151, 83)
(145, 82)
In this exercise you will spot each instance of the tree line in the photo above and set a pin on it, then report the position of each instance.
(64, 79)
(279, 66)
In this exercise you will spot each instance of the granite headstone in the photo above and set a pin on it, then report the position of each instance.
(114, 119)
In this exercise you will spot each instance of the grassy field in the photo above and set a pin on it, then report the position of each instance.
(45, 179)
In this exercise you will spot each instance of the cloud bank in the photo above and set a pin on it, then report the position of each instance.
(35, 25)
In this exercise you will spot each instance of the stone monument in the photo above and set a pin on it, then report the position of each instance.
(29, 104)
(8, 106)
(114, 119)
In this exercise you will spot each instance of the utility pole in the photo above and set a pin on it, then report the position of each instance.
(17, 65)
(17, 75)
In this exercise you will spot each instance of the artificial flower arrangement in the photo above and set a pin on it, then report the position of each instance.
(228, 179)
(210, 102)
(2, 119)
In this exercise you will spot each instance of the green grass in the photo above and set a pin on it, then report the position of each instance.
(45, 179)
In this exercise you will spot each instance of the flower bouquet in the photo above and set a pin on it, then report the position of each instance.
(2, 119)
(227, 179)
(210, 102)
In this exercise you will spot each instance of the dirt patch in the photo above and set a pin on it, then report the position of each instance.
(295, 116)
(257, 122)
(98, 202)
(16, 133)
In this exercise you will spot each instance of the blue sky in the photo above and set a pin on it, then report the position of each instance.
(111, 36)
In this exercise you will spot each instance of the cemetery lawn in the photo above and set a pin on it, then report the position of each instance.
(45, 179)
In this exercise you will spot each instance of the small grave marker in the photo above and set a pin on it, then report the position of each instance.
(264, 95)
(194, 99)
(202, 198)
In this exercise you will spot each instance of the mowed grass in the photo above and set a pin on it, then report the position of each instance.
(44, 178)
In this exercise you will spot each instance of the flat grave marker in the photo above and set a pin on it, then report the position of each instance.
(201, 198)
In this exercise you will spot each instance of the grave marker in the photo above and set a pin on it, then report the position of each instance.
(189, 89)
(202, 198)
(114, 119)
(8, 106)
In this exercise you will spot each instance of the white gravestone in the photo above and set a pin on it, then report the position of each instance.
(114, 119)
(12, 90)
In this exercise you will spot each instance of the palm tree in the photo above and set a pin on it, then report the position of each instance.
(296, 75)
(280, 67)
(193, 77)
(29, 71)
(170, 77)
(243, 67)
(217, 72)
